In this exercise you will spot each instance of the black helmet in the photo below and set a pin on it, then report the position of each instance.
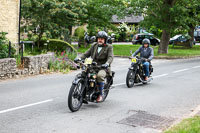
(102, 34)
(146, 41)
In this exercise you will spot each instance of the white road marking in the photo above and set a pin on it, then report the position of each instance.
(180, 70)
(25, 106)
(50, 100)
(118, 84)
(161, 75)
(196, 67)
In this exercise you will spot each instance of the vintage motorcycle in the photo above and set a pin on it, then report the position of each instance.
(84, 87)
(136, 72)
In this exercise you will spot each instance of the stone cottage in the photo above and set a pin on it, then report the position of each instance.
(9, 19)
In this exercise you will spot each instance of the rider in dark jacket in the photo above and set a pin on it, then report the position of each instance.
(147, 53)
(102, 53)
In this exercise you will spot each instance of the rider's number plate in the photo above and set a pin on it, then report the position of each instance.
(134, 60)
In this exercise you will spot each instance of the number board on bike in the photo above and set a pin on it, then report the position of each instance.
(88, 61)
(133, 60)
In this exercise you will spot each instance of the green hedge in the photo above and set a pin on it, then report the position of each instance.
(60, 46)
(53, 45)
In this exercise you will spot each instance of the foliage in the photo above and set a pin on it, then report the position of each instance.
(54, 18)
(122, 30)
(125, 32)
(4, 47)
(100, 12)
(52, 45)
(157, 32)
(3, 39)
(79, 32)
(169, 16)
(59, 45)
(63, 62)
(18, 60)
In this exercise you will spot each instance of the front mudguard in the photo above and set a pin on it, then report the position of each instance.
(133, 67)
(80, 78)
(77, 79)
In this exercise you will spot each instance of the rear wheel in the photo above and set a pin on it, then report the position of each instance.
(75, 98)
(130, 78)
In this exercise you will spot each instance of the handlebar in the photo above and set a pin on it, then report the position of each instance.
(93, 64)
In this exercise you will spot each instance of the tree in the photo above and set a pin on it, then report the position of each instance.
(100, 12)
(192, 18)
(51, 17)
(166, 15)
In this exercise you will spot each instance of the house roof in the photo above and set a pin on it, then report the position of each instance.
(128, 19)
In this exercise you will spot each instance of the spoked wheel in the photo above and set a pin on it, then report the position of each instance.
(130, 78)
(75, 98)
(106, 88)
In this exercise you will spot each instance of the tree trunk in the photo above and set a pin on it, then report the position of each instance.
(67, 38)
(191, 34)
(163, 48)
(39, 39)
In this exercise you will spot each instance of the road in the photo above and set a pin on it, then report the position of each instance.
(39, 103)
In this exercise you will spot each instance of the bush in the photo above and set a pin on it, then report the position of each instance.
(79, 32)
(63, 62)
(4, 47)
(55, 45)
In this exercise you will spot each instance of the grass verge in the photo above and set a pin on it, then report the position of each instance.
(176, 51)
(191, 125)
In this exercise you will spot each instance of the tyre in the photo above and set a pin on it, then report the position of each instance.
(106, 89)
(130, 78)
(75, 97)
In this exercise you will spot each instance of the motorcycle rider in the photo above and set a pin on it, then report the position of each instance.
(147, 53)
(102, 54)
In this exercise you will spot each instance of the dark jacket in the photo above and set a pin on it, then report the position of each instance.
(148, 54)
(105, 55)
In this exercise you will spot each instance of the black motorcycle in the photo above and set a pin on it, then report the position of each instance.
(84, 87)
(136, 72)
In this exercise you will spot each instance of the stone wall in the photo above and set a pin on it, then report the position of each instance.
(7, 68)
(9, 18)
(33, 65)
(37, 64)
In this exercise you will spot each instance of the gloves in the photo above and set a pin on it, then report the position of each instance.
(146, 60)
(77, 60)
(104, 65)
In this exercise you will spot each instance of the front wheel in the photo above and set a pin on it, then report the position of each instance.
(130, 78)
(75, 98)
(107, 88)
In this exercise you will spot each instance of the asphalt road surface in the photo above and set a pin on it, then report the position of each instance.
(38, 104)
